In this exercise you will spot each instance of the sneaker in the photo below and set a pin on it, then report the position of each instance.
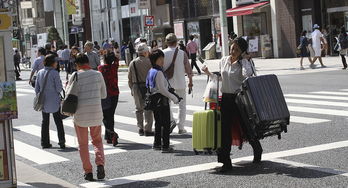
(302, 68)
(47, 146)
(156, 148)
(100, 172)
(89, 177)
(172, 126)
(149, 133)
(312, 66)
(323, 66)
(167, 150)
(182, 131)
(224, 169)
(141, 132)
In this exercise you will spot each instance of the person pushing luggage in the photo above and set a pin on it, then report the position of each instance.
(234, 70)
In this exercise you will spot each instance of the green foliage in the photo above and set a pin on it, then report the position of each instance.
(53, 35)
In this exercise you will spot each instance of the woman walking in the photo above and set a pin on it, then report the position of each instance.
(304, 49)
(154, 45)
(234, 70)
(110, 73)
(157, 83)
(343, 40)
(71, 68)
(48, 82)
(91, 90)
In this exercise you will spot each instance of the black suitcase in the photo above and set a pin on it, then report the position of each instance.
(263, 107)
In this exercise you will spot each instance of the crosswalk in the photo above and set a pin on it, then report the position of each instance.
(303, 105)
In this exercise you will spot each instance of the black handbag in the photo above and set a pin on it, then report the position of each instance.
(69, 104)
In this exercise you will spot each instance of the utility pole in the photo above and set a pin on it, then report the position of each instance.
(224, 30)
(65, 22)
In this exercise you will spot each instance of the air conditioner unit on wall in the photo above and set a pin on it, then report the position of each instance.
(244, 2)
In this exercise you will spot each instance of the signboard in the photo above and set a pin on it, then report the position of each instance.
(254, 45)
(5, 22)
(179, 30)
(71, 7)
(8, 101)
(149, 21)
(144, 4)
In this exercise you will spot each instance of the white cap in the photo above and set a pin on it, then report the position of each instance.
(142, 47)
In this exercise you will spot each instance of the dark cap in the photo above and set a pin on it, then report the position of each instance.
(242, 43)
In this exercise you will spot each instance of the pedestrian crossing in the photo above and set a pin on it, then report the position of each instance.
(306, 104)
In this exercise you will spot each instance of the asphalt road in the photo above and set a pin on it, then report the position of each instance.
(312, 154)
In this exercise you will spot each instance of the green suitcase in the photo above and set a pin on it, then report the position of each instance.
(206, 131)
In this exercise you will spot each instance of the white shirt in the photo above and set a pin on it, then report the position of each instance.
(234, 74)
(178, 81)
(316, 35)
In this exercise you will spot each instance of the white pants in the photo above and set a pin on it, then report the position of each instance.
(182, 109)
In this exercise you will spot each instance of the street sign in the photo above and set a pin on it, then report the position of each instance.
(149, 21)
(144, 4)
(5, 22)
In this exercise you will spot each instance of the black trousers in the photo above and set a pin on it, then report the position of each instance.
(45, 128)
(229, 110)
(162, 125)
(344, 62)
(194, 62)
(109, 119)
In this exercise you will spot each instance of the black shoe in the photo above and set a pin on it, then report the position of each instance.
(115, 139)
(141, 132)
(62, 146)
(156, 148)
(108, 141)
(344, 68)
(224, 169)
(167, 150)
(172, 126)
(257, 156)
(100, 172)
(89, 177)
(46, 146)
(149, 133)
(257, 149)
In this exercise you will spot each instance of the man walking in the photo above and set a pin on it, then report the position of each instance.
(317, 39)
(94, 60)
(177, 57)
(17, 61)
(137, 73)
(192, 49)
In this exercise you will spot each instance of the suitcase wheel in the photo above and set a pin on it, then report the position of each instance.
(196, 152)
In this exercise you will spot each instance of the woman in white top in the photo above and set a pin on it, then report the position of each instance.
(234, 70)
(89, 115)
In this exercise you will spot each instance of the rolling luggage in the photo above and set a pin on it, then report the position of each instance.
(206, 130)
(263, 107)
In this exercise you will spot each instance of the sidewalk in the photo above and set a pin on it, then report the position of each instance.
(278, 66)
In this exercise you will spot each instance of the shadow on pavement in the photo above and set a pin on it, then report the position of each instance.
(132, 146)
(269, 167)
(145, 184)
(178, 136)
(45, 185)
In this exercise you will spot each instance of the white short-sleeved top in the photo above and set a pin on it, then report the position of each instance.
(234, 74)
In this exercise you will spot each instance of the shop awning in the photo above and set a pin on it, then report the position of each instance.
(245, 9)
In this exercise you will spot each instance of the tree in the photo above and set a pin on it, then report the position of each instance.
(53, 35)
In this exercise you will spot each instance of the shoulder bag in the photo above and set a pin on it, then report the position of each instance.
(40, 98)
(69, 104)
(169, 73)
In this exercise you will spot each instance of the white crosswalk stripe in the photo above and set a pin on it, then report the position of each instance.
(316, 102)
(330, 93)
(318, 111)
(322, 97)
(70, 141)
(127, 135)
(38, 156)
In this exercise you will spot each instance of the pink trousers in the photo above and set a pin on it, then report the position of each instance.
(82, 136)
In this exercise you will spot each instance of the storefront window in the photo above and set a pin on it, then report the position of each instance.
(255, 24)
(180, 9)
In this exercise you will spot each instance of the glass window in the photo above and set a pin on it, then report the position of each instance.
(255, 24)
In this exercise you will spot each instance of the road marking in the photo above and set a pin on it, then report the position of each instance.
(127, 135)
(70, 141)
(318, 111)
(311, 167)
(21, 90)
(36, 155)
(330, 93)
(190, 107)
(209, 166)
(23, 185)
(316, 102)
(306, 120)
(317, 97)
(344, 89)
(21, 95)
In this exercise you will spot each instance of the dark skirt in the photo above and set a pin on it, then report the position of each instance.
(304, 52)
